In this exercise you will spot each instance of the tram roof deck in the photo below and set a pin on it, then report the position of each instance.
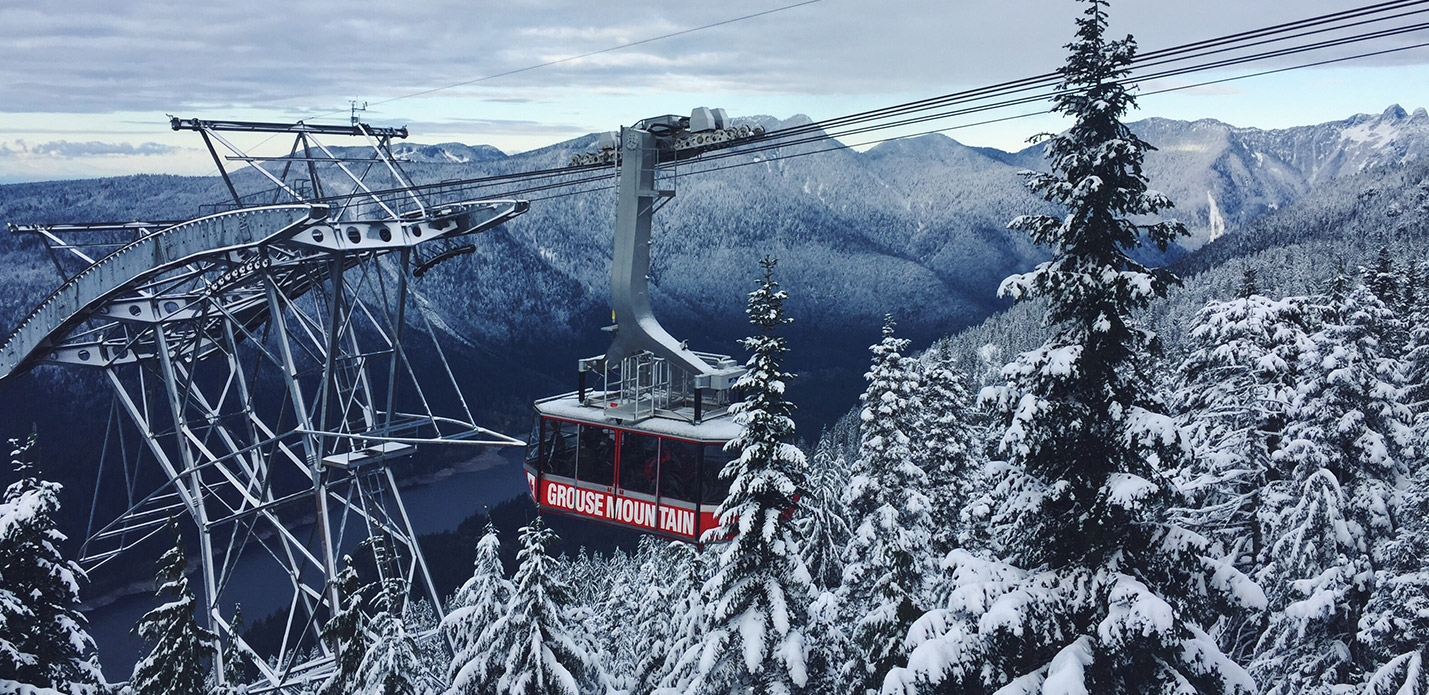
(716, 426)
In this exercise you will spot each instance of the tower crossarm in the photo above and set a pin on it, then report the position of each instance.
(118, 281)
(68, 304)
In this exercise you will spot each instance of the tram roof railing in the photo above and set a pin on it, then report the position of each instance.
(717, 425)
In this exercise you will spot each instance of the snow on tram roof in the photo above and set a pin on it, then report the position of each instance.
(719, 427)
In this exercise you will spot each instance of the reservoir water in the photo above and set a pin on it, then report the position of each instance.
(435, 503)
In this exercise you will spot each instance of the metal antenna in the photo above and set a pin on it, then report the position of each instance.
(353, 108)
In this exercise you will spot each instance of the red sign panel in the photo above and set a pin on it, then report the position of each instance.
(626, 511)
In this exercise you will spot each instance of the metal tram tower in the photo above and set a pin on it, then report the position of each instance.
(266, 367)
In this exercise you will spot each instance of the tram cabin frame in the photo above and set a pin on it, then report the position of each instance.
(659, 475)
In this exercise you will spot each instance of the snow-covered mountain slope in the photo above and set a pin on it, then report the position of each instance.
(1223, 177)
(1332, 150)
(1294, 251)
(916, 227)
(446, 153)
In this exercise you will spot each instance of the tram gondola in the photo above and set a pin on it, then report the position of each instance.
(641, 442)
(658, 474)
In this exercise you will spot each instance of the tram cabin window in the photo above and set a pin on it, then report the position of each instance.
(558, 447)
(597, 456)
(713, 488)
(533, 449)
(678, 469)
(640, 460)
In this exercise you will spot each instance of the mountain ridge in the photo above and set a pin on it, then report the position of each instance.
(916, 226)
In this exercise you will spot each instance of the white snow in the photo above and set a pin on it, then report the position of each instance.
(1133, 613)
(1218, 223)
(1066, 675)
(1128, 490)
(1370, 132)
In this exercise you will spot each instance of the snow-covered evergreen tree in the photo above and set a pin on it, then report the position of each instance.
(647, 610)
(345, 632)
(43, 641)
(669, 659)
(1383, 279)
(543, 652)
(13, 611)
(886, 563)
(942, 441)
(823, 531)
(1387, 283)
(1416, 360)
(391, 665)
(1411, 288)
(1344, 449)
(478, 605)
(179, 647)
(1099, 592)
(634, 607)
(434, 652)
(234, 661)
(1236, 389)
(1394, 630)
(755, 641)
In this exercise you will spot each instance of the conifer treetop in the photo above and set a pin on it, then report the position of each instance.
(544, 652)
(43, 640)
(1096, 173)
(175, 665)
(767, 419)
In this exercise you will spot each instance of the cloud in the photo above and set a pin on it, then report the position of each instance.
(101, 56)
(70, 150)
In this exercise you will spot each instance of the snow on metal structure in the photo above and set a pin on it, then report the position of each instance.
(262, 359)
(641, 448)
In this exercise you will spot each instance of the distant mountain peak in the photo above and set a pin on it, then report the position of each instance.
(446, 153)
(1394, 125)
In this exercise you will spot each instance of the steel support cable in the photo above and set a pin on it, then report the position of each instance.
(515, 176)
(1222, 44)
(842, 146)
(1218, 45)
(1231, 62)
(755, 149)
(451, 187)
(1353, 13)
(1017, 86)
(1202, 49)
(1014, 86)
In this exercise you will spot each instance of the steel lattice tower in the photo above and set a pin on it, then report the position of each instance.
(267, 360)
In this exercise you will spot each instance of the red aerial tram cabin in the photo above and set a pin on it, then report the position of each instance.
(659, 476)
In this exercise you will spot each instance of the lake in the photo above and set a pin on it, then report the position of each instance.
(436, 502)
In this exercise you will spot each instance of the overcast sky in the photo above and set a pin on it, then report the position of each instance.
(85, 84)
